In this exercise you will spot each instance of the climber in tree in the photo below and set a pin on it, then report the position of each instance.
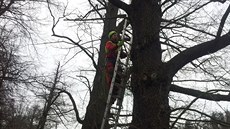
(111, 51)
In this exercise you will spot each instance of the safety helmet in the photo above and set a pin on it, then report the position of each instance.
(111, 33)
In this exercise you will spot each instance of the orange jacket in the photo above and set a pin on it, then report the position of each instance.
(111, 50)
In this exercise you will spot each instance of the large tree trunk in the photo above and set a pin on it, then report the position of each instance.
(96, 107)
(149, 79)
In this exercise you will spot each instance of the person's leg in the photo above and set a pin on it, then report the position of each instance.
(109, 73)
(109, 76)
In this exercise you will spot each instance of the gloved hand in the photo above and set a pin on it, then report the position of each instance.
(120, 43)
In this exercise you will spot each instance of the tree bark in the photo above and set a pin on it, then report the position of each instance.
(96, 107)
(150, 85)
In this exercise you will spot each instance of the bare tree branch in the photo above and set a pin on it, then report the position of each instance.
(186, 14)
(71, 40)
(95, 8)
(173, 3)
(202, 95)
(93, 19)
(222, 22)
(74, 105)
(87, 84)
(187, 26)
(221, 1)
(195, 52)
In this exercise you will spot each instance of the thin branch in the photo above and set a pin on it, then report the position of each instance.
(95, 8)
(93, 19)
(186, 14)
(173, 3)
(187, 26)
(222, 22)
(71, 40)
(221, 1)
(88, 83)
(74, 106)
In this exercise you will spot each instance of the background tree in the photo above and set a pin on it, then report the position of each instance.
(57, 109)
(15, 70)
(12, 72)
